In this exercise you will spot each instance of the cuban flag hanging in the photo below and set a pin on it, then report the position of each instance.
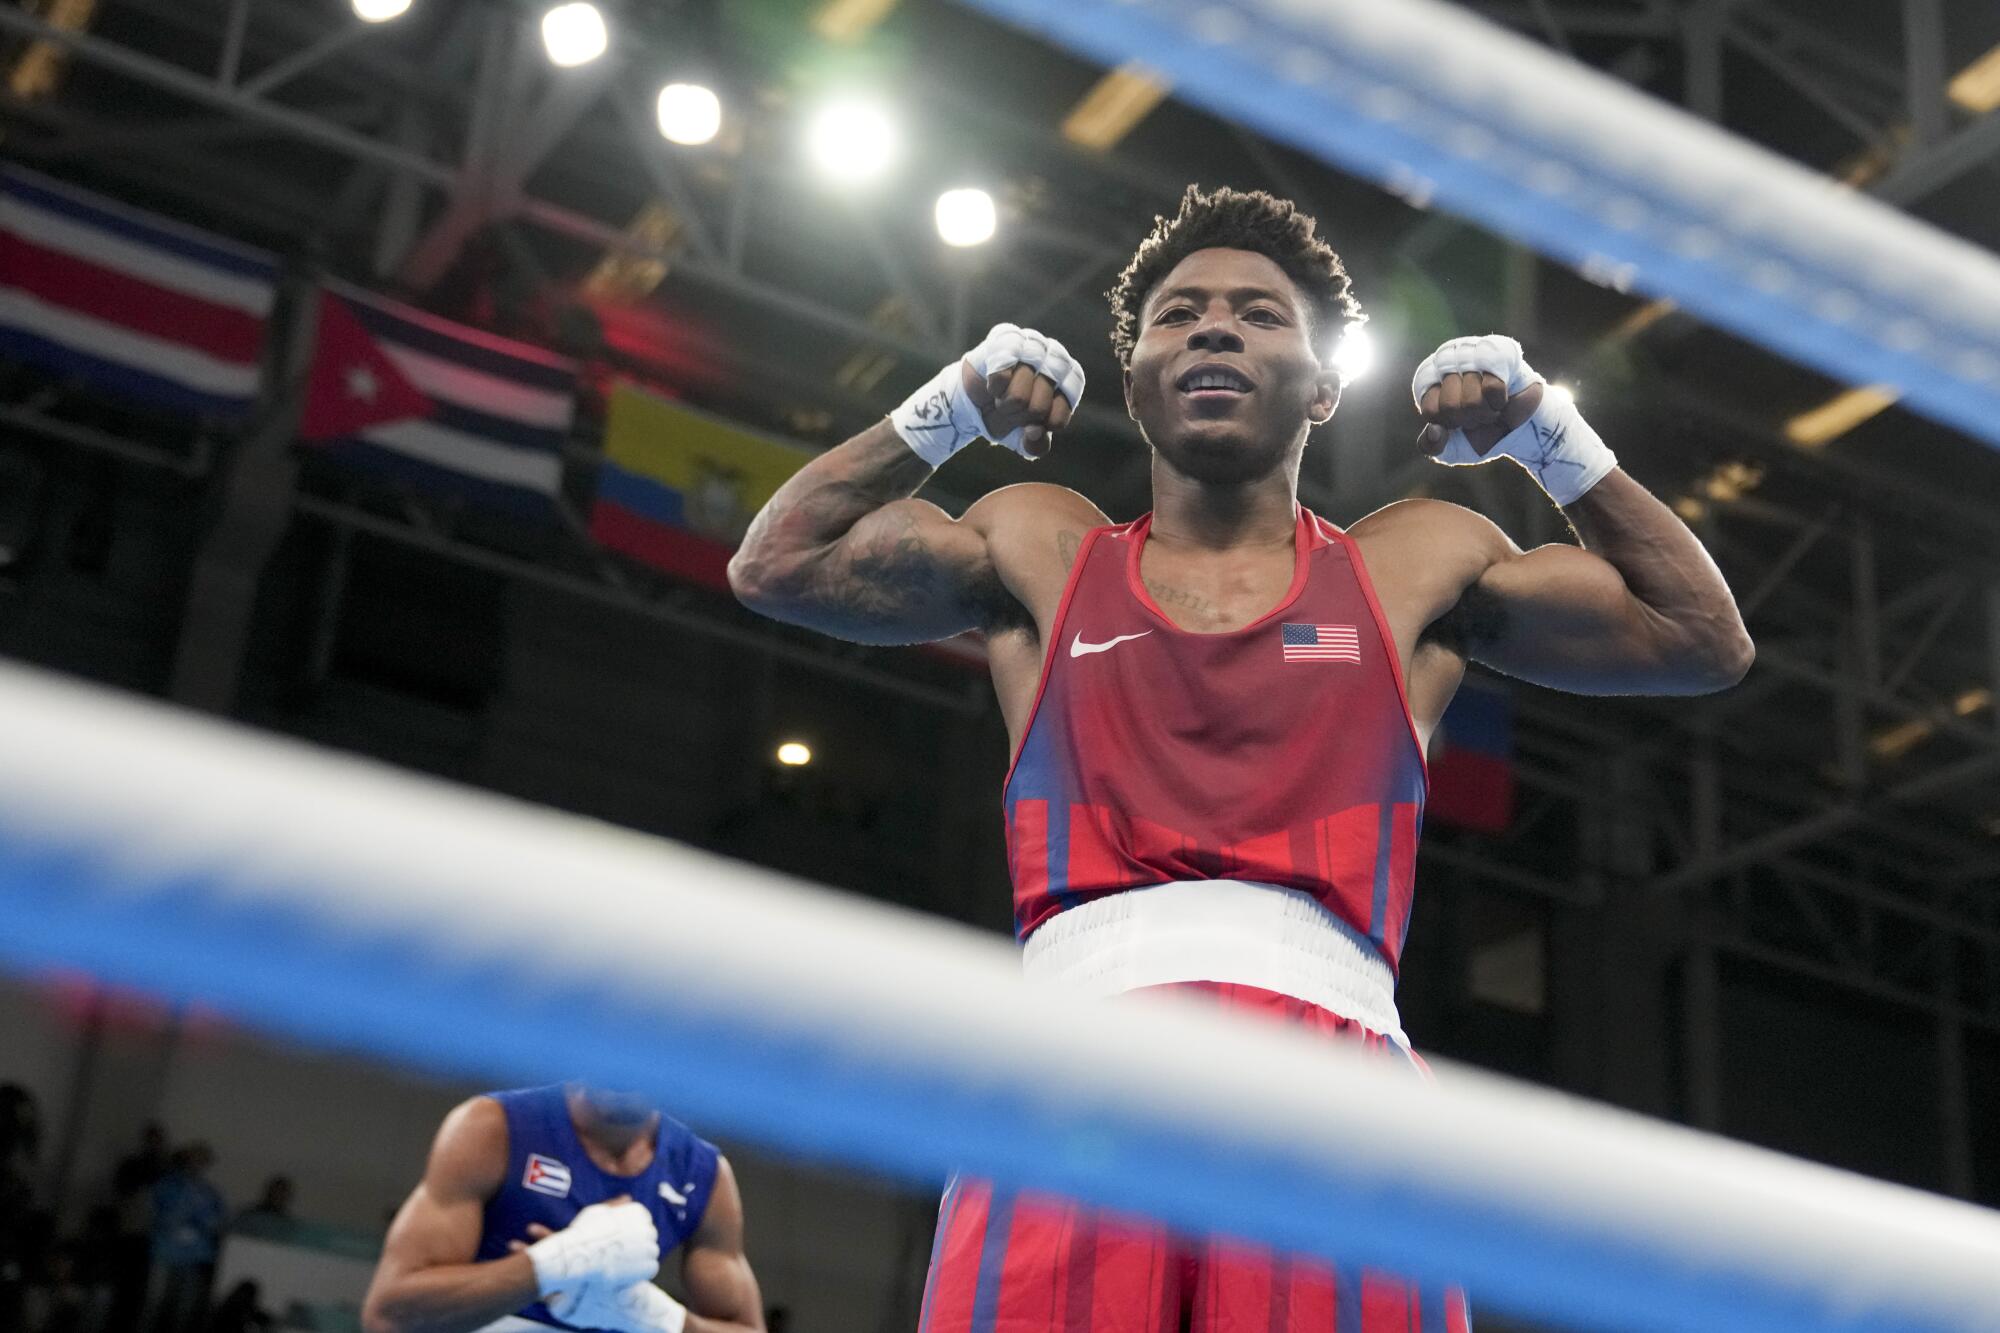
(435, 405)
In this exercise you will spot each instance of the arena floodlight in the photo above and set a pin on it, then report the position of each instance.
(689, 113)
(1559, 393)
(966, 217)
(380, 11)
(575, 34)
(1354, 354)
(795, 754)
(853, 140)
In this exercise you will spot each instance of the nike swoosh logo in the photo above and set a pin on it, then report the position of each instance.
(1078, 648)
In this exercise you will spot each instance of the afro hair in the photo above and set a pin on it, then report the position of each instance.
(1237, 220)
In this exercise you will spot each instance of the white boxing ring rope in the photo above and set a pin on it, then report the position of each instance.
(347, 904)
(1434, 102)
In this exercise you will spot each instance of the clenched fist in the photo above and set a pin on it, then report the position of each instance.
(1483, 400)
(1025, 385)
(1016, 389)
(1480, 386)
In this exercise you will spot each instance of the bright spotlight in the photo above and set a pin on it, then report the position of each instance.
(1354, 354)
(965, 217)
(689, 113)
(795, 754)
(853, 140)
(380, 11)
(575, 34)
(1559, 393)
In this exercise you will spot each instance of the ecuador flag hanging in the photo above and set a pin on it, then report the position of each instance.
(678, 487)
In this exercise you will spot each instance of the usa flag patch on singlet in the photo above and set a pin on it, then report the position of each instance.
(545, 1175)
(1322, 643)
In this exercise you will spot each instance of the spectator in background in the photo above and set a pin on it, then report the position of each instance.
(239, 1312)
(137, 1172)
(61, 1302)
(20, 1126)
(95, 1253)
(188, 1215)
(22, 1226)
(271, 1215)
(132, 1184)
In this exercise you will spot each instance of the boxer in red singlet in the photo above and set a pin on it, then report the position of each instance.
(1219, 711)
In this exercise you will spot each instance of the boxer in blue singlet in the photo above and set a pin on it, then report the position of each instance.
(550, 1208)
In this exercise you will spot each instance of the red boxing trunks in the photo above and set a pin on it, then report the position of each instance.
(1038, 1263)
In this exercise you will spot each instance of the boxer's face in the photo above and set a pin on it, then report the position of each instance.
(615, 1107)
(1224, 381)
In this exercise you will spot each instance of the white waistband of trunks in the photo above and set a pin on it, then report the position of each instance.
(513, 1323)
(1224, 930)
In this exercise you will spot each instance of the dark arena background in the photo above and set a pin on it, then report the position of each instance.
(470, 367)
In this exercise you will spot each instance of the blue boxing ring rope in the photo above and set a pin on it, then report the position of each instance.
(1434, 102)
(346, 904)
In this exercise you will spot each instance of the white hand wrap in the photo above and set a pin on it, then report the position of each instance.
(609, 1244)
(940, 419)
(639, 1307)
(1556, 445)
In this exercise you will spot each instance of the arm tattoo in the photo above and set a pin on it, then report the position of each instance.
(887, 578)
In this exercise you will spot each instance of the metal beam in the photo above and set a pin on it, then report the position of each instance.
(1924, 1001)
(291, 27)
(1830, 95)
(1864, 589)
(1866, 69)
(196, 88)
(508, 136)
(1828, 822)
(1920, 643)
(401, 212)
(1499, 872)
(1064, 288)
(1954, 1103)
(256, 502)
(1942, 720)
(1872, 483)
(231, 63)
(1597, 20)
(918, 305)
(281, 72)
(1701, 41)
(1993, 651)
(650, 149)
(1872, 895)
(192, 465)
(752, 639)
(1551, 25)
(1924, 70)
(1781, 569)
(1929, 170)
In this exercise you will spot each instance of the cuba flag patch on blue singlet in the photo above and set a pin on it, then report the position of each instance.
(545, 1175)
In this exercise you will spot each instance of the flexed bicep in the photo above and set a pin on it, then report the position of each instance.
(1563, 617)
(907, 573)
